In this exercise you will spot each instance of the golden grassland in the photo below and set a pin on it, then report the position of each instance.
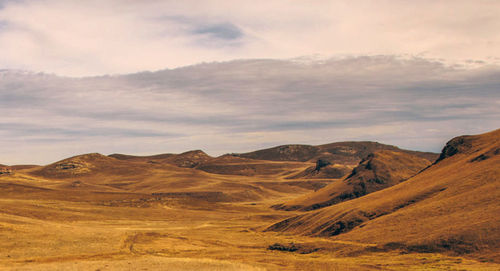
(61, 235)
(94, 212)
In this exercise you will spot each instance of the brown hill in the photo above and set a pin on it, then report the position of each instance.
(98, 173)
(187, 159)
(344, 153)
(377, 171)
(102, 173)
(299, 153)
(84, 165)
(331, 161)
(225, 164)
(21, 167)
(323, 170)
(233, 165)
(336, 160)
(451, 206)
(17, 167)
(141, 158)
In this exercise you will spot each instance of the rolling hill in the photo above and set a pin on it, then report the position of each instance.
(172, 176)
(234, 165)
(323, 170)
(192, 211)
(377, 171)
(86, 165)
(187, 159)
(329, 161)
(452, 206)
(345, 153)
(225, 164)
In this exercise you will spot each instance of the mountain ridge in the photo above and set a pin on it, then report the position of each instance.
(336, 151)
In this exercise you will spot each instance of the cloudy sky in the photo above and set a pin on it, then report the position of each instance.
(150, 76)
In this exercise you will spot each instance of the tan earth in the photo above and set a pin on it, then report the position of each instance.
(195, 212)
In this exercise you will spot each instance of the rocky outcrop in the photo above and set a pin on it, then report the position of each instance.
(376, 171)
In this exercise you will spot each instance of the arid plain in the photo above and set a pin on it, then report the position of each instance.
(340, 206)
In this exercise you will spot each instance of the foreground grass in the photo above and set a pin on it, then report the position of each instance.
(60, 235)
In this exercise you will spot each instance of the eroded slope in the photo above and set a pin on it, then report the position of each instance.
(377, 171)
(451, 206)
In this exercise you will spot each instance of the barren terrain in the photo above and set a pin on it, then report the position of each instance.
(196, 212)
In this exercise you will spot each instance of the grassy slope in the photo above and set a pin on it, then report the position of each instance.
(53, 229)
(451, 206)
(187, 159)
(225, 164)
(102, 214)
(379, 170)
(98, 173)
(232, 165)
(340, 157)
(344, 153)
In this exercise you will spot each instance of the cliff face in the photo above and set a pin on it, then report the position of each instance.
(459, 144)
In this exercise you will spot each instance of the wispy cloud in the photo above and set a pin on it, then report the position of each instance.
(92, 37)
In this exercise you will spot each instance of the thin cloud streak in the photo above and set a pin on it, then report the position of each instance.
(82, 38)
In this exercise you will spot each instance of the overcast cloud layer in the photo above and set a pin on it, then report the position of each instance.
(95, 37)
(245, 105)
(408, 73)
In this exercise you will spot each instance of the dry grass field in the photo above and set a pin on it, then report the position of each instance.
(95, 212)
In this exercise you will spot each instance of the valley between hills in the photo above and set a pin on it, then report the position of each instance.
(338, 206)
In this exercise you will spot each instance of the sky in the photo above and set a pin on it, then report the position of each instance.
(147, 77)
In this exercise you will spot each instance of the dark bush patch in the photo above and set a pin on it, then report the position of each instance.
(321, 164)
(291, 247)
(486, 155)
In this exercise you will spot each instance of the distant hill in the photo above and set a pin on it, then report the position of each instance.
(233, 165)
(225, 164)
(334, 160)
(377, 171)
(345, 153)
(323, 169)
(4, 169)
(173, 177)
(329, 161)
(187, 159)
(20, 167)
(86, 164)
(141, 158)
(451, 206)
